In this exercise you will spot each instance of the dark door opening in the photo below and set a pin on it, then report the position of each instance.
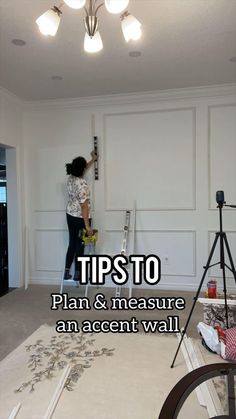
(4, 284)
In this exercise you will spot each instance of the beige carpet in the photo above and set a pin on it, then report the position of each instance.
(114, 376)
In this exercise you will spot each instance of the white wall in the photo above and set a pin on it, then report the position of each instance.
(10, 119)
(170, 151)
(11, 139)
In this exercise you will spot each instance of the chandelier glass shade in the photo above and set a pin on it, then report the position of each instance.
(49, 21)
(131, 27)
(93, 44)
(116, 6)
(75, 4)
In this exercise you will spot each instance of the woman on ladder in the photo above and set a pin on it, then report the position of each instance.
(77, 211)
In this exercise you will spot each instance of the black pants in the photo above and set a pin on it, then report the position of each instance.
(76, 246)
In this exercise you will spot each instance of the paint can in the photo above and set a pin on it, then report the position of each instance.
(212, 289)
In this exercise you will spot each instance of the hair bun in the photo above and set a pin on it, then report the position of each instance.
(68, 168)
(77, 167)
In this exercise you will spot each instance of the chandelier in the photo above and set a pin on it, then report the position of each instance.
(49, 21)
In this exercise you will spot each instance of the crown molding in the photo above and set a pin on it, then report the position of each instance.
(9, 95)
(228, 89)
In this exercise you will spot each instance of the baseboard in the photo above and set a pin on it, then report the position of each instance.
(163, 285)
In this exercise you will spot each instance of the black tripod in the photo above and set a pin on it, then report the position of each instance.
(220, 235)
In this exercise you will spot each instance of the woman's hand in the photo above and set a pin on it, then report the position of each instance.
(94, 156)
(89, 231)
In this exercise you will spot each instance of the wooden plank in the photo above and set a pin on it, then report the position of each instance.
(204, 388)
(210, 384)
(190, 368)
(53, 403)
(15, 411)
(26, 257)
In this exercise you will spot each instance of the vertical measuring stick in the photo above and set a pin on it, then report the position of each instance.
(124, 244)
(95, 147)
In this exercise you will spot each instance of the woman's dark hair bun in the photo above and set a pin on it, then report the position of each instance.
(68, 168)
(77, 167)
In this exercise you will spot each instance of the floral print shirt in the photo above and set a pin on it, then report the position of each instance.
(78, 192)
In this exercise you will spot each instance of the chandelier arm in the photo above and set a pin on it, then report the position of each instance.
(94, 6)
(99, 6)
(86, 10)
(91, 7)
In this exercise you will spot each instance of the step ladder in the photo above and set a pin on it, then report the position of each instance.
(89, 249)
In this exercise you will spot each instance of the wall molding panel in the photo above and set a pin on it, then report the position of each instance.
(221, 166)
(128, 155)
(215, 272)
(162, 243)
(170, 151)
(50, 248)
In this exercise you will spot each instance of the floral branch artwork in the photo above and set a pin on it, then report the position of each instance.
(215, 314)
(62, 350)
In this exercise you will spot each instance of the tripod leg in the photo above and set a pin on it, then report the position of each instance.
(225, 297)
(222, 265)
(230, 257)
(196, 296)
(224, 240)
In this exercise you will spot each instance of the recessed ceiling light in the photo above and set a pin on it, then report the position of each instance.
(56, 78)
(18, 42)
(134, 54)
(233, 59)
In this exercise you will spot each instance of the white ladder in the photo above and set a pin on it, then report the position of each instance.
(68, 281)
(88, 250)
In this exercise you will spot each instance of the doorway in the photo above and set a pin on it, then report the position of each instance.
(4, 281)
(11, 239)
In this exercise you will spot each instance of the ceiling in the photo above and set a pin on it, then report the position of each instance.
(185, 43)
